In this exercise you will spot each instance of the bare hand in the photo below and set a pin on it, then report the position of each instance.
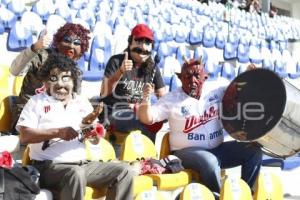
(126, 64)
(148, 90)
(67, 133)
(43, 42)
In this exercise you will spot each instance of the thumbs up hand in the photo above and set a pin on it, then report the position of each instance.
(126, 64)
(43, 42)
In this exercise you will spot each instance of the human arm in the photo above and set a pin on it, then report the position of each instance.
(20, 62)
(144, 111)
(110, 81)
(35, 135)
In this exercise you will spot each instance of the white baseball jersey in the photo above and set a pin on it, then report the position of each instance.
(192, 122)
(43, 112)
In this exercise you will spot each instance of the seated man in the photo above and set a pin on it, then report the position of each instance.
(196, 132)
(54, 116)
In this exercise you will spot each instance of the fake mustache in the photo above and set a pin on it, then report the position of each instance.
(140, 51)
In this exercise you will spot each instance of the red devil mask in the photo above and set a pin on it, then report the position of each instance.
(192, 77)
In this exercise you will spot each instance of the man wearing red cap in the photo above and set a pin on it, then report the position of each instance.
(196, 132)
(125, 76)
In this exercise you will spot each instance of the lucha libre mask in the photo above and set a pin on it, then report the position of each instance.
(192, 77)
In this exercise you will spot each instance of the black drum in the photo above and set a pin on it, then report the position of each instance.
(260, 107)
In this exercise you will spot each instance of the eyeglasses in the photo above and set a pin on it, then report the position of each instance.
(70, 40)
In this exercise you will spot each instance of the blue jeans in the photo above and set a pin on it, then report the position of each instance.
(125, 120)
(208, 163)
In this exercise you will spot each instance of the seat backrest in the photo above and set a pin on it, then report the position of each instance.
(196, 191)
(137, 146)
(235, 188)
(268, 186)
(103, 151)
(165, 146)
(18, 81)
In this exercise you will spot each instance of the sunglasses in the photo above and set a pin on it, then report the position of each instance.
(70, 40)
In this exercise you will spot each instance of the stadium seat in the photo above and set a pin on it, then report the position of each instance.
(243, 53)
(200, 51)
(209, 37)
(149, 195)
(54, 22)
(32, 22)
(87, 16)
(7, 18)
(19, 37)
(230, 51)
(235, 188)
(195, 36)
(17, 7)
(212, 69)
(220, 40)
(228, 71)
(268, 64)
(255, 54)
(279, 69)
(17, 84)
(268, 186)
(137, 146)
(182, 51)
(96, 67)
(44, 9)
(196, 191)
(64, 11)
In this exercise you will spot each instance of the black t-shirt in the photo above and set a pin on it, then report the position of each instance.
(129, 88)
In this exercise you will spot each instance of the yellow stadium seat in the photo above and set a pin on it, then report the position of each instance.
(268, 186)
(5, 115)
(149, 195)
(137, 146)
(18, 81)
(5, 89)
(196, 191)
(235, 188)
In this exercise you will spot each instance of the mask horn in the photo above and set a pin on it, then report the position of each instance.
(185, 60)
(200, 60)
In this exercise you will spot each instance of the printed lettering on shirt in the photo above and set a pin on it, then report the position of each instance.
(215, 134)
(193, 122)
(46, 108)
(195, 136)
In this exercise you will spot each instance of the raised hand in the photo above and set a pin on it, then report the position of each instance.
(43, 42)
(147, 91)
(126, 64)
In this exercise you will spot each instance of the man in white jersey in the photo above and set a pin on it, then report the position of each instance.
(54, 116)
(196, 132)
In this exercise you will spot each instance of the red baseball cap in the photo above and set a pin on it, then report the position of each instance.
(142, 31)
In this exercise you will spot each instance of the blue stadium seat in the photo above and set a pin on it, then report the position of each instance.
(96, 66)
(220, 40)
(255, 54)
(182, 51)
(228, 71)
(7, 18)
(243, 53)
(44, 9)
(104, 43)
(233, 39)
(268, 64)
(19, 38)
(200, 51)
(87, 15)
(212, 69)
(32, 22)
(54, 22)
(195, 36)
(64, 11)
(163, 51)
(17, 7)
(209, 37)
(230, 51)
(279, 68)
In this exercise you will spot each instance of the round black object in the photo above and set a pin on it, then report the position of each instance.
(253, 104)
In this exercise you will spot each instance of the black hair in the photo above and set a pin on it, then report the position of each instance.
(62, 63)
